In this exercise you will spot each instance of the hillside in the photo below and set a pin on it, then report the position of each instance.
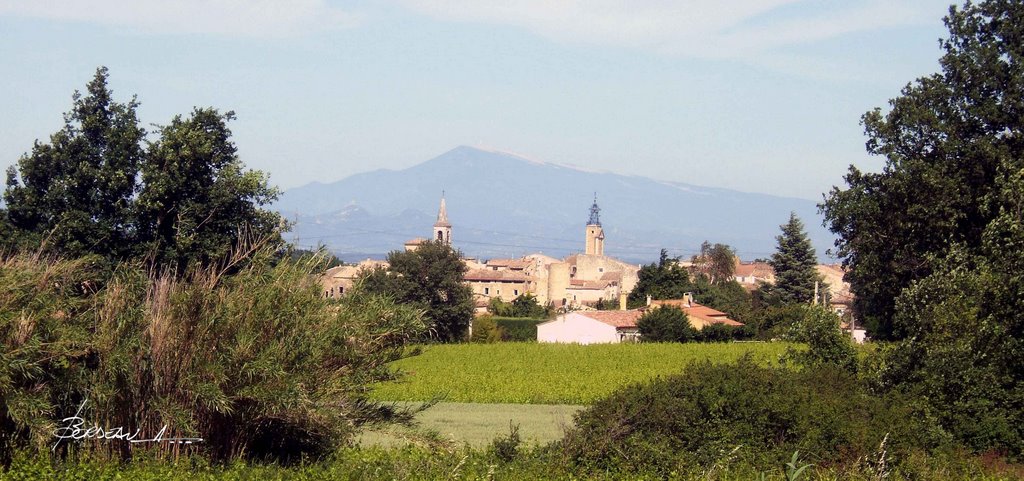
(504, 205)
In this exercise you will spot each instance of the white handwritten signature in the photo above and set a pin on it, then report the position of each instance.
(75, 430)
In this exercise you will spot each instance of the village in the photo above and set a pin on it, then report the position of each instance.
(580, 287)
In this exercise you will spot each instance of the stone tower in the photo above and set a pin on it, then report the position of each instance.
(443, 228)
(594, 232)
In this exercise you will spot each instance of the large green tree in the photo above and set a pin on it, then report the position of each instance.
(197, 199)
(75, 192)
(794, 262)
(664, 280)
(431, 278)
(666, 324)
(82, 192)
(946, 140)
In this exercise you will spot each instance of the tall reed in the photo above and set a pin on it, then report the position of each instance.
(245, 355)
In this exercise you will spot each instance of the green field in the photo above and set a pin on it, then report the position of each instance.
(532, 373)
(478, 424)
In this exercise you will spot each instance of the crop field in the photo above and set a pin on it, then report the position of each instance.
(478, 424)
(532, 373)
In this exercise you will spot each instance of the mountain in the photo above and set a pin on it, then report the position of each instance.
(503, 205)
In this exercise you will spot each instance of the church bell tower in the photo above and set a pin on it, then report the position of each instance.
(443, 228)
(594, 232)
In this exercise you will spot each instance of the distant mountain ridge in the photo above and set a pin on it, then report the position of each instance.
(504, 205)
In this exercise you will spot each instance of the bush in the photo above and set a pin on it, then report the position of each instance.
(525, 305)
(518, 329)
(666, 324)
(826, 342)
(485, 330)
(694, 418)
(718, 333)
(256, 363)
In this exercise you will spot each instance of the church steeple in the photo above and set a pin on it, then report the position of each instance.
(443, 228)
(594, 232)
(595, 218)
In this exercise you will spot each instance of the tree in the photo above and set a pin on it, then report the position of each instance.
(946, 139)
(935, 242)
(197, 199)
(76, 191)
(81, 193)
(525, 305)
(664, 280)
(716, 262)
(431, 278)
(794, 263)
(666, 324)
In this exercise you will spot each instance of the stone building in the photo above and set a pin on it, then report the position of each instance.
(576, 282)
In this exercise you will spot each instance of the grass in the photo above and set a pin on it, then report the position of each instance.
(533, 373)
(478, 424)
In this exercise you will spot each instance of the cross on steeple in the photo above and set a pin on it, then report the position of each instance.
(595, 218)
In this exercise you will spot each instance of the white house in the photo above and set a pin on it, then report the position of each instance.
(591, 327)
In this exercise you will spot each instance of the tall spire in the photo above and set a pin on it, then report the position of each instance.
(442, 214)
(594, 213)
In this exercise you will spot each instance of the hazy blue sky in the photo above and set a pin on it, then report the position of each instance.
(755, 95)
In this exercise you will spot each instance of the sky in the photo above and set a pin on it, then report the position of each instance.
(754, 95)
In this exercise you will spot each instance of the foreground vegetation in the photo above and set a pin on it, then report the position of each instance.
(535, 373)
(433, 463)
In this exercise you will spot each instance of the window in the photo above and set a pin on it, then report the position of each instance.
(515, 292)
(600, 269)
(487, 291)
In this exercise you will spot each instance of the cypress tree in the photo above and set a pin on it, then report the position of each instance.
(794, 263)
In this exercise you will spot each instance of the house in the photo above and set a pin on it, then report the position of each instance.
(751, 274)
(591, 327)
(699, 315)
(595, 327)
(339, 279)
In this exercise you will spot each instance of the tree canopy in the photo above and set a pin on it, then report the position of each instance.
(947, 140)
(664, 280)
(431, 278)
(666, 324)
(76, 191)
(98, 187)
(717, 262)
(794, 263)
(935, 242)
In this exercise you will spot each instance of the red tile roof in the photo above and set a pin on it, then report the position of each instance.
(615, 318)
(702, 312)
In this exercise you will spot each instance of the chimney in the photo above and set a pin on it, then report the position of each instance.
(622, 301)
(688, 299)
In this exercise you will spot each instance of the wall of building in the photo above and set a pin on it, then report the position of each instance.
(504, 290)
(576, 328)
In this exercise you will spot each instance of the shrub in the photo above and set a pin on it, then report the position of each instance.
(255, 363)
(717, 333)
(693, 418)
(525, 305)
(507, 447)
(518, 329)
(666, 324)
(485, 330)
(826, 342)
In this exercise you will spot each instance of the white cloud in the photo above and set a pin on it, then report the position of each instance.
(222, 17)
(705, 29)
